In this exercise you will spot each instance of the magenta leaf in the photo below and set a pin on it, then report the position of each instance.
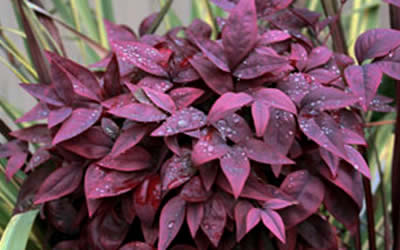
(141, 55)
(240, 32)
(183, 120)
(319, 233)
(296, 86)
(194, 216)
(327, 98)
(37, 159)
(118, 101)
(38, 112)
(307, 190)
(100, 182)
(176, 171)
(236, 168)
(61, 182)
(15, 163)
(357, 161)
(109, 127)
(253, 218)
(118, 32)
(155, 83)
(194, 191)
(275, 98)
(274, 223)
(217, 80)
(58, 116)
(261, 152)
(171, 220)
(241, 211)
(233, 127)
(161, 100)
(80, 120)
(272, 36)
(209, 147)
(112, 82)
(134, 159)
(147, 199)
(227, 104)
(330, 160)
(184, 97)
(363, 82)
(128, 138)
(36, 134)
(214, 220)
(376, 43)
(45, 93)
(140, 112)
(276, 204)
(318, 56)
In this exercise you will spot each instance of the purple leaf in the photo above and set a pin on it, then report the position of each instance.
(139, 112)
(134, 159)
(155, 83)
(331, 161)
(183, 120)
(45, 93)
(324, 131)
(276, 204)
(274, 223)
(147, 199)
(240, 32)
(319, 233)
(390, 68)
(128, 138)
(318, 56)
(141, 55)
(233, 127)
(118, 101)
(36, 134)
(118, 32)
(80, 120)
(171, 220)
(253, 218)
(15, 163)
(136, 245)
(309, 193)
(214, 220)
(208, 174)
(357, 161)
(236, 168)
(38, 112)
(176, 171)
(275, 98)
(259, 151)
(376, 43)
(58, 116)
(37, 159)
(194, 216)
(363, 82)
(227, 104)
(242, 208)
(194, 191)
(186, 96)
(217, 80)
(112, 82)
(297, 85)
(209, 147)
(109, 127)
(61, 182)
(272, 36)
(161, 100)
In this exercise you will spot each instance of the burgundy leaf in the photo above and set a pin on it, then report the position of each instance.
(275, 98)
(148, 199)
(172, 143)
(62, 82)
(236, 168)
(136, 245)
(109, 127)
(214, 220)
(227, 104)
(319, 233)
(146, 23)
(240, 32)
(58, 116)
(141, 55)
(208, 174)
(35, 134)
(259, 151)
(376, 43)
(139, 112)
(318, 56)
(296, 86)
(118, 101)
(363, 82)
(80, 120)
(209, 147)
(309, 193)
(161, 100)
(184, 97)
(274, 223)
(233, 127)
(37, 159)
(112, 82)
(331, 161)
(327, 98)
(194, 216)
(15, 163)
(134, 159)
(272, 36)
(118, 32)
(171, 220)
(155, 83)
(242, 209)
(43, 92)
(357, 160)
(260, 113)
(276, 204)
(38, 112)
(194, 191)
(128, 139)
(181, 121)
(217, 80)
(61, 182)
(176, 171)
(100, 183)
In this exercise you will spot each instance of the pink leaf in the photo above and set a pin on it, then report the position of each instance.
(227, 104)
(357, 161)
(209, 147)
(147, 199)
(184, 97)
(161, 100)
(80, 120)
(327, 98)
(183, 120)
(128, 139)
(112, 82)
(236, 168)
(274, 223)
(240, 32)
(15, 163)
(58, 116)
(194, 191)
(176, 171)
(141, 55)
(242, 208)
(233, 127)
(275, 98)
(61, 182)
(276, 204)
(194, 216)
(38, 112)
(253, 218)
(318, 57)
(134, 159)
(139, 112)
(171, 220)
(214, 220)
(260, 113)
(259, 151)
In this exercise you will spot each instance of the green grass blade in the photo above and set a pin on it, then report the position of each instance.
(170, 19)
(108, 10)
(64, 11)
(86, 20)
(100, 24)
(13, 31)
(14, 70)
(17, 231)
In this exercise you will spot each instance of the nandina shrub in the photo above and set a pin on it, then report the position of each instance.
(184, 142)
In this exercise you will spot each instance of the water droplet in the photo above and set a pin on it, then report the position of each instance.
(171, 224)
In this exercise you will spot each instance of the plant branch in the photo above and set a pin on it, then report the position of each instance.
(154, 26)
(338, 39)
(379, 123)
(395, 24)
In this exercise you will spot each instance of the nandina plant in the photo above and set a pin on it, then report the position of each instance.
(248, 141)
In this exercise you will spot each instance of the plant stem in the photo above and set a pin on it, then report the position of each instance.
(395, 24)
(379, 123)
(160, 17)
(214, 25)
(338, 39)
